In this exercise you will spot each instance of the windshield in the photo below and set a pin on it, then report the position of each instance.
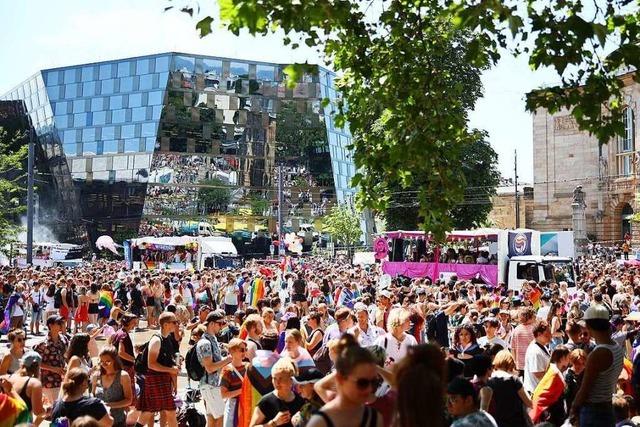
(560, 271)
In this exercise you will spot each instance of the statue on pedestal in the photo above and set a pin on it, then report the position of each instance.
(578, 197)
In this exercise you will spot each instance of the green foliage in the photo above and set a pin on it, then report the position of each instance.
(407, 110)
(344, 225)
(588, 45)
(259, 206)
(214, 195)
(13, 152)
(479, 167)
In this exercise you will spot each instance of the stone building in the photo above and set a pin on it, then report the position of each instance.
(503, 210)
(565, 157)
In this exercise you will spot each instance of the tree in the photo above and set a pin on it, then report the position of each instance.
(479, 166)
(405, 107)
(344, 225)
(214, 195)
(481, 176)
(13, 152)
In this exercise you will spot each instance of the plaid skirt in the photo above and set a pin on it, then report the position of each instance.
(157, 393)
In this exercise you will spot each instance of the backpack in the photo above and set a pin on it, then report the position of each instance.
(195, 370)
(140, 364)
(189, 416)
(57, 298)
(322, 359)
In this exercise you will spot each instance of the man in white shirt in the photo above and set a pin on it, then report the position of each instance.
(537, 357)
(491, 326)
(37, 300)
(543, 311)
(364, 331)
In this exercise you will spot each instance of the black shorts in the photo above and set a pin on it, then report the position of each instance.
(230, 310)
(298, 298)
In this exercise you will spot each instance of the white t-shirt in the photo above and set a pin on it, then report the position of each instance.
(17, 308)
(484, 341)
(366, 339)
(231, 295)
(38, 297)
(535, 360)
(395, 349)
(543, 312)
(50, 303)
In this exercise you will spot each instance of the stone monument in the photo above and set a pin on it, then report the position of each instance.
(579, 221)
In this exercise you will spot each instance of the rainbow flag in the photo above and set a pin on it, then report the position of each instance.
(257, 383)
(257, 291)
(548, 391)
(105, 304)
(13, 411)
(534, 296)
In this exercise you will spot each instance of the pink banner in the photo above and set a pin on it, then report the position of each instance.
(487, 272)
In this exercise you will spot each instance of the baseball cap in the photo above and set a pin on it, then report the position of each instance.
(30, 358)
(633, 317)
(616, 320)
(309, 376)
(385, 294)
(461, 387)
(55, 319)
(359, 306)
(596, 311)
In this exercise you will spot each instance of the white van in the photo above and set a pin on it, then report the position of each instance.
(536, 267)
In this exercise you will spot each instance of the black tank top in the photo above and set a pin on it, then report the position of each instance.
(23, 394)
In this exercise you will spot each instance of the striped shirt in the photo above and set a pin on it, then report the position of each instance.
(520, 339)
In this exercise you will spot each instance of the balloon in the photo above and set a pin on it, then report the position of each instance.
(106, 242)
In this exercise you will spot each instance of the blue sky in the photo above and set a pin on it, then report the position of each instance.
(40, 34)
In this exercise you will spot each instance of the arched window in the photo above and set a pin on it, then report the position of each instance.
(626, 144)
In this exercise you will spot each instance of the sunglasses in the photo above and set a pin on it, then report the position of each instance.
(364, 383)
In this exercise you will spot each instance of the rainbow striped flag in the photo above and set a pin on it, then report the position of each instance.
(13, 411)
(548, 391)
(257, 291)
(105, 304)
(535, 296)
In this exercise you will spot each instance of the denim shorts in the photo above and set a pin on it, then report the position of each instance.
(597, 416)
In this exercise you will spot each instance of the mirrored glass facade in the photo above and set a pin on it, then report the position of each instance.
(146, 145)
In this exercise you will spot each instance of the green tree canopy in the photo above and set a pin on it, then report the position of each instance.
(479, 168)
(344, 225)
(214, 195)
(13, 152)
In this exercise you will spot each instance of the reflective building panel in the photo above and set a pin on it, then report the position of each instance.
(141, 144)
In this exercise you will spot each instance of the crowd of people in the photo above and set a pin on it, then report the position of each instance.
(317, 343)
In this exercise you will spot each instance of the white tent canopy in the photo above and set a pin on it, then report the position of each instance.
(217, 245)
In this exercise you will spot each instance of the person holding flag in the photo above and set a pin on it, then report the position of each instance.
(548, 396)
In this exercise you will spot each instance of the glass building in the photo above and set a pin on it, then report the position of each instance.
(158, 143)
